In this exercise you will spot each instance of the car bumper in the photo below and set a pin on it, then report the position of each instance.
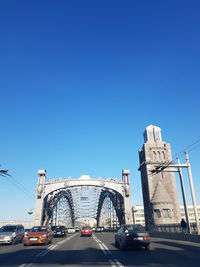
(5, 241)
(39, 241)
(86, 234)
(137, 243)
(57, 235)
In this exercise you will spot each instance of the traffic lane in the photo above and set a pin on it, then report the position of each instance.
(16, 255)
(164, 252)
(79, 251)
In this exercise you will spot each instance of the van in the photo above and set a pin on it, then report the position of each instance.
(11, 233)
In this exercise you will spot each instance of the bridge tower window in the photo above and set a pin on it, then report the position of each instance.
(157, 212)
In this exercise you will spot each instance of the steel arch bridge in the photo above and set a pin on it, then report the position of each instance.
(49, 193)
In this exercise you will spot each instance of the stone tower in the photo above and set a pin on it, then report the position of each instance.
(161, 205)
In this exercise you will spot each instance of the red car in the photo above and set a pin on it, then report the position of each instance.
(86, 231)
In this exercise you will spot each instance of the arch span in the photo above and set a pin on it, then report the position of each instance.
(118, 204)
(50, 202)
(49, 192)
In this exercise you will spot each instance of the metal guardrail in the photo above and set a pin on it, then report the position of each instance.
(171, 228)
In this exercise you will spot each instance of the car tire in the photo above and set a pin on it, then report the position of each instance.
(147, 248)
(25, 245)
(13, 242)
(122, 247)
(116, 244)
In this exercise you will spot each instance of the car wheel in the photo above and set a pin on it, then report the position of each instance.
(147, 248)
(25, 245)
(116, 244)
(122, 247)
(13, 241)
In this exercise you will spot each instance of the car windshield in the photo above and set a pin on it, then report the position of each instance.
(38, 229)
(135, 227)
(59, 228)
(8, 228)
(86, 228)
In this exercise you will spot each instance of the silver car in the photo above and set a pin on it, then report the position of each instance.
(11, 234)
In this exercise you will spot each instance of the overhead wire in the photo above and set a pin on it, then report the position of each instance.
(18, 185)
(165, 164)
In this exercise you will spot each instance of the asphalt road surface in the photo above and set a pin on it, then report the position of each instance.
(100, 251)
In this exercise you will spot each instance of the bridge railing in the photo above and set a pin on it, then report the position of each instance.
(171, 228)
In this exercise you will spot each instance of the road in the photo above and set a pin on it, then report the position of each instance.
(99, 250)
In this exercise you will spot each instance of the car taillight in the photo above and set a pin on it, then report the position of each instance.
(146, 237)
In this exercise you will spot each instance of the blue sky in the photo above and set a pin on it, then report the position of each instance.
(80, 81)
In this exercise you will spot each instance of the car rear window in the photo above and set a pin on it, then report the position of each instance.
(136, 227)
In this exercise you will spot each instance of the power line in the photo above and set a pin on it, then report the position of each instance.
(10, 178)
(165, 164)
(5, 173)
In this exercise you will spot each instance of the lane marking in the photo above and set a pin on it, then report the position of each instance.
(112, 263)
(47, 250)
(103, 245)
(25, 264)
(118, 263)
(106, 251)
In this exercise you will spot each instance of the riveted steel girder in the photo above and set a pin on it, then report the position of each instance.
(118, 203)
(51, 201)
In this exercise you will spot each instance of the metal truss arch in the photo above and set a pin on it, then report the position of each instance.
(117, 201)
(50, 202)
(49, 192)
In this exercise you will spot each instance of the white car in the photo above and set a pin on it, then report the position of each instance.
(71, 230)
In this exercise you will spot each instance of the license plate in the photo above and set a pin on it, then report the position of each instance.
(59, 233)
(138, 238)
(33, 239)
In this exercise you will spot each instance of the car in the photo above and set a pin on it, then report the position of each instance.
(77, 229)
(59, 231)
(98, 229)
(71, 230)
(132, 235)
(11, 233)
(38, 235)
(86, 231)
(102, 228)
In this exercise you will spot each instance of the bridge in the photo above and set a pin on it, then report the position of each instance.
(84, 196)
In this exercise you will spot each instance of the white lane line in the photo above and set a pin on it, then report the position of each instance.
(104, 248)
(112, 263)
(43, 251)
(103, 245)
(23, 265)
(47, 250)
(118, 263)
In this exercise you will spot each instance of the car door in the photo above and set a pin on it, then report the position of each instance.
(18, 233)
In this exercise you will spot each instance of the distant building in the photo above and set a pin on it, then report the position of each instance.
(138, 214)
(160, 197)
